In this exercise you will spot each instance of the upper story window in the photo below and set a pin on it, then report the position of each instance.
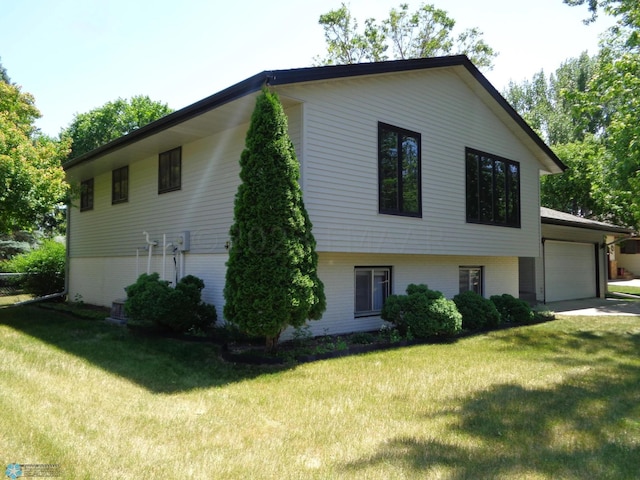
(399, 166)
(86, 195)
(170, 170)
(120, 185)
(493, 189)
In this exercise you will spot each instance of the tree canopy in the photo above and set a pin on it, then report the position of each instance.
(271, 279)
(4, 76)
(30, 163)
(427, 32)
(587, 111)
(101, 125)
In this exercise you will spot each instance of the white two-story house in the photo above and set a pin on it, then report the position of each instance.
(413, 171)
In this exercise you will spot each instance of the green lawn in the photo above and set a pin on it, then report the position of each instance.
(624, 289)
(554, 400)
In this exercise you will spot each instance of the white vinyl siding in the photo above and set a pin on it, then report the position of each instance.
(341, 171)
(336, 270)
(203, 206)
(101, 280)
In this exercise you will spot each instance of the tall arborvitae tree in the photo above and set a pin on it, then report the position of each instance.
(272, 279)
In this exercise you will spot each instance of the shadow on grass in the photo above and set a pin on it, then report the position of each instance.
(161, 365)
(587, 425)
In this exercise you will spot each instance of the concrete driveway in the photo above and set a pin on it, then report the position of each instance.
(597, 306)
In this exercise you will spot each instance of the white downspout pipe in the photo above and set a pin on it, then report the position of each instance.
(165, 245)
(164, 255)
(151, 244)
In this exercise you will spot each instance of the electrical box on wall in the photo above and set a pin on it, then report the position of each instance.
(184, 241)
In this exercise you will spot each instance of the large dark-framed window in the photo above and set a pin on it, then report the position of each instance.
(120, 185)
(372, 287)
(170, 170)
(86, 195)
(399, 171)
(492, 188)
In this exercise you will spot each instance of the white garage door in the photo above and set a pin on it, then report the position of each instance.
(569, 270)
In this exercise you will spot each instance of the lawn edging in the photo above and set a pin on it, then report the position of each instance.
(254, 355)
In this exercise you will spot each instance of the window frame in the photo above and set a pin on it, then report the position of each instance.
(495, 202)
(469, 268)
(120, 185)
(399, 208)
(388, 290)
(630, 247)
(87, 193)
(166, 164)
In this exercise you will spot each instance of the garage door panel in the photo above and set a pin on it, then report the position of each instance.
(570, 270)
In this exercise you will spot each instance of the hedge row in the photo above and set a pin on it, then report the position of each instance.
(424, 313)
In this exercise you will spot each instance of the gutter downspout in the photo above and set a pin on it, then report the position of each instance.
(544, 273)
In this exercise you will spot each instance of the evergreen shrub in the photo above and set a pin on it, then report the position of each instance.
(422, 312)
(477, 312)
(513, 310)
(151, 301)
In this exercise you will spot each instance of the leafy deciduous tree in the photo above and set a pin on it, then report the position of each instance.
(427, 32)
(4, 77)
(587, 111)
(30, 164)
(97, 127)
(271, 279)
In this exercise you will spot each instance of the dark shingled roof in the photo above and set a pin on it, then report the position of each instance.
(311, 74)
(555, 217)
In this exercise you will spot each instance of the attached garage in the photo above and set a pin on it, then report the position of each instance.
(570, 270)
(573, 262)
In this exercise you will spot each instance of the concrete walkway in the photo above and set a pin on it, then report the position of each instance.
(597, 306)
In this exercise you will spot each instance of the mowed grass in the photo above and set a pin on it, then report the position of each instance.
(613, 288)
(554, 400)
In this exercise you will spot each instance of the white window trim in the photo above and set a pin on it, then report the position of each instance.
(371, 312)
(469, 268)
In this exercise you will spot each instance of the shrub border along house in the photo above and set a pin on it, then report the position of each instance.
(426, 312)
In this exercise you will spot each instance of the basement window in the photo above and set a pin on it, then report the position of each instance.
(372, 287)
(470, 278)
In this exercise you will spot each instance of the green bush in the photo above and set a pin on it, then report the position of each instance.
(424, 290)
(513, 310)
(477, 312)
(151, 301)
(423, 312)
(44, 268)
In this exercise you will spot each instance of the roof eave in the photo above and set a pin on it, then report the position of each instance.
(310, 74)
(234, 92)
(594, 226)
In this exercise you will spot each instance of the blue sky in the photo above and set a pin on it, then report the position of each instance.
(76, 55)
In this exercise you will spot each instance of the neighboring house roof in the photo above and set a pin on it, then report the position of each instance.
(555, 217)
(464, 67)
